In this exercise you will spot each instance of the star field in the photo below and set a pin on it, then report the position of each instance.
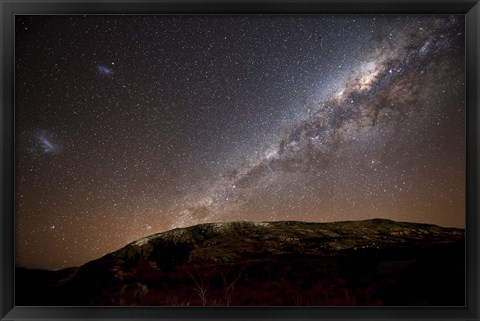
(128, 126)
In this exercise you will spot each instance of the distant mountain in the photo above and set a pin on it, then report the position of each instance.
(372, 262)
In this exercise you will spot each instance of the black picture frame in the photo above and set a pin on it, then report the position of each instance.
(10, 8)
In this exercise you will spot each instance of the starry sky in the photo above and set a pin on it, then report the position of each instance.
(128, 126)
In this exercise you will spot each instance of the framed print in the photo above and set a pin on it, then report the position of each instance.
(234, 160)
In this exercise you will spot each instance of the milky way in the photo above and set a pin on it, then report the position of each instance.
(132, 125)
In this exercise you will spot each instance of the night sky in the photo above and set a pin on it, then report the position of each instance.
(128, 126)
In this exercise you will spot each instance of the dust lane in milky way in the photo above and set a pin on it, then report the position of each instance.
(131, 125)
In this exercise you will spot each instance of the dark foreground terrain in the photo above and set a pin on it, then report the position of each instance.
(373, 262)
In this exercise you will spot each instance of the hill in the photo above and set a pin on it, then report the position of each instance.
(372, 262)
